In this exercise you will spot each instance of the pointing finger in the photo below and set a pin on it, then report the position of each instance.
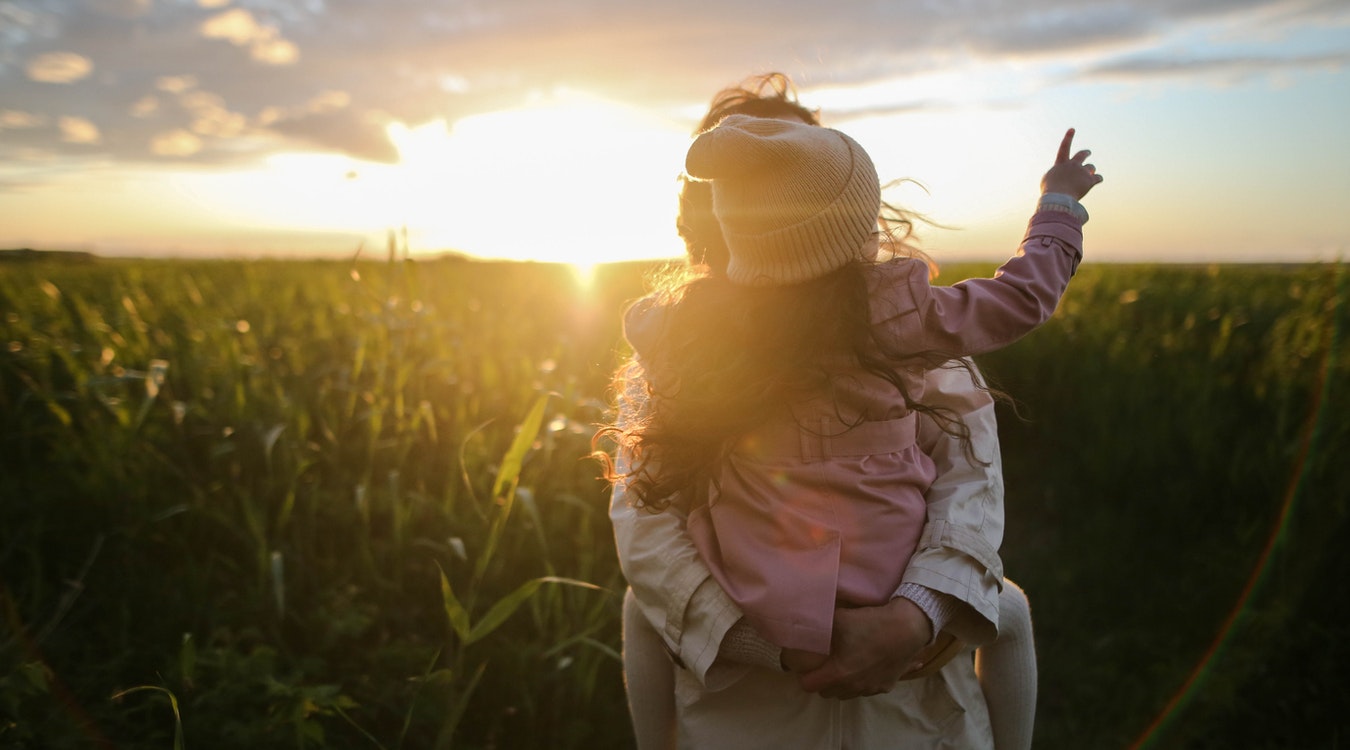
(1064, 147)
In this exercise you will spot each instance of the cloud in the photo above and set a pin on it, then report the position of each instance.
(59, 67)
(357, 134)
(275, 52)
(210, 116)
(1228, 68)
(175, 143)
(175, 84)
(238, 27)
(15, 119)
(78, 130)
(123, 8)
(329, 101)
(1053, 30)
(145, 106)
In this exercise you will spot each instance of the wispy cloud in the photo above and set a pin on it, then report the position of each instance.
(58, 67)
(16, 119)
(78, 130)
(1228, 68)
(175, 143)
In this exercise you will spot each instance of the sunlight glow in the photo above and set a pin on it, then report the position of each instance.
(569, 178)
(584, 274)
(566, 178)
(576, 179)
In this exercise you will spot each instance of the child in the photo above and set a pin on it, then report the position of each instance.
(793, 383)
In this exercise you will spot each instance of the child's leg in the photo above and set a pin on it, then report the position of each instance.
(649, 679)
(1007, 670)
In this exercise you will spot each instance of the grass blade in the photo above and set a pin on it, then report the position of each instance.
(515, 456)
(173, 702)
(454, 611)
(507, 605)
(503, 489)
(451, 723)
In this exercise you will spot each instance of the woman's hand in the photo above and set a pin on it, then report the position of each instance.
(872, 647)
(1070, 175)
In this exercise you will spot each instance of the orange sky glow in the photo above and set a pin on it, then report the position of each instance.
(253, 129)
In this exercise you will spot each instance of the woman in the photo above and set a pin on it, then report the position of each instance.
(951, 584)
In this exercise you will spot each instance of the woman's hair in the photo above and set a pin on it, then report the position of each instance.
(731, 357)
(768, 95)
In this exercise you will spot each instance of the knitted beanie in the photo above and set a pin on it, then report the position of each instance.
(794, 201)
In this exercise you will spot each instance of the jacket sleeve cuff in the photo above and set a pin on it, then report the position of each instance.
(1063, 203)
(941, 547)
(708, 618)
(940, 608)
(744, 645)
(1059, 228)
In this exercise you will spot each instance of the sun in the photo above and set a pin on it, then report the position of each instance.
(567, 178)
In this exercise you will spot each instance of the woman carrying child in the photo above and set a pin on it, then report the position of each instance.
(780, 411)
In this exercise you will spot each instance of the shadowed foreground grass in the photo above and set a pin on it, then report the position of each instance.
(318, 505)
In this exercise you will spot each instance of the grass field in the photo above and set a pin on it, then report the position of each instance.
(318, 504)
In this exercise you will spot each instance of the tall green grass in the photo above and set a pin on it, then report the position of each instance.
(264, 488)
(322, 504)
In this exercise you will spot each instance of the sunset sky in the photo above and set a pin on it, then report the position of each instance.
(546, 130)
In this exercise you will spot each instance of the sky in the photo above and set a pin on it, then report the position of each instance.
(555, 131)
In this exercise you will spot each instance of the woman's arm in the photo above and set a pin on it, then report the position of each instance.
(673, 587)
(958, 550)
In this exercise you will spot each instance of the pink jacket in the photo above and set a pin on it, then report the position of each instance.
(811, 512)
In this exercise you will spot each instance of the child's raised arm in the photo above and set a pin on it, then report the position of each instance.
(980, 315)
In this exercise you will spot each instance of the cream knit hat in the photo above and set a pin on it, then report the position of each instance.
(795, 201)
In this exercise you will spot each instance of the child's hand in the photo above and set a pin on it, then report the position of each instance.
(1070, 176)
(801, 662)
